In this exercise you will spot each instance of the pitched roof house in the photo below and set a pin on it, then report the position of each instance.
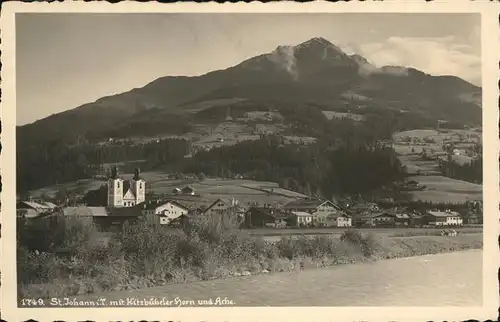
(117, 216)
(31, 209)
(164, 213)
(443, 218)
(188, 190)
(312, 206)
(85, 211)
(334, 220)
(300, 219)
(381, 219)
(224, 205)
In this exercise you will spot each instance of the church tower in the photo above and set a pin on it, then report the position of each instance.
(138, 187)
(115, 189)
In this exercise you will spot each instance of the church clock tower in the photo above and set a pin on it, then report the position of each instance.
(138, 187)
(115, 189)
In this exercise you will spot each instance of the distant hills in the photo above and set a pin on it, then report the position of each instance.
(314, 72)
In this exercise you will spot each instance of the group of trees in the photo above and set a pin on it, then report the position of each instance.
(470, 172)
(48, 164)
(39, 166)
(311, 170)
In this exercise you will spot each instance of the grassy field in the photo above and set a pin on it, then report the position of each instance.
(331, 115)
(421, 134)
(274, 235)
(438, 187)
(443, 189)
(210, 189)
(333, 231)
(443, 196)
(414, 149)
(231, 133)
(439, 136)
(415, 164)
(448, 184)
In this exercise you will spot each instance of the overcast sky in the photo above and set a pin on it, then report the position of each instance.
(66, 60)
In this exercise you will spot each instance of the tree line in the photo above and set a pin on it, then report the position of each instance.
(470, 172)
(49, 164)
(311, 170)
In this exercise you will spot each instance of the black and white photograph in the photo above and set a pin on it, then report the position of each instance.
(235, 159)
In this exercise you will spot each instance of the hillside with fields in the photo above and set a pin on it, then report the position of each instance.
(315, 128)
(448, 163)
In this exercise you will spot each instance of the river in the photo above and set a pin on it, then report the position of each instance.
(451, 279)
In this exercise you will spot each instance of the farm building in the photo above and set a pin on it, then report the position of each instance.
(164, 212)
(300, 219)
(31, 209)
(222, 206)
(258, 217)
(443, 218)
(313, 207)
(84, 214)
(380, 219)
(188, 191)
(333, 220)
(401, 216)
(416, 219)
(116, 217)
(362, 208)
(402, 219)
(193, 203)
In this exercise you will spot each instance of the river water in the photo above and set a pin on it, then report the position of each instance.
(451, 279)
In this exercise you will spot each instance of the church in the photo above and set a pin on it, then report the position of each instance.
(125, 193)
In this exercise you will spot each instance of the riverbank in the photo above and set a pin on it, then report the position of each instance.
(429, 280)
(140, 258)
(398, 247)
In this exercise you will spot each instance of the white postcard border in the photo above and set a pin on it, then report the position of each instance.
(491, 263)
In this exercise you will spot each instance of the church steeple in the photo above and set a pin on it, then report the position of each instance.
(136, 174)
(114, 173)
(138, 187)
(115, 189)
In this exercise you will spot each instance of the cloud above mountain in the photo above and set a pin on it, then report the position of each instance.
(436, 56)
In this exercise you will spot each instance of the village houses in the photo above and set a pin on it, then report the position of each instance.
(443, 218)
(258, 217)
(32, 209)
(388, 218)
(126, 201)
(164, 213)
(323, 213)
(301, 219)
(220, 206)
(337, 219)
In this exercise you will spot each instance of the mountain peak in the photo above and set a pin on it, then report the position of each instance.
(316, 40)
(318, 43)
